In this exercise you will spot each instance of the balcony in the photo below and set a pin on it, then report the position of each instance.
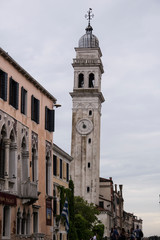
(38, 236)
(29, 190)
(2, 187)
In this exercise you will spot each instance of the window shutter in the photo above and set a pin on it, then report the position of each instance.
(17, 96)
(5, 86)
(67, 170)
(46, 118)
(22, 100)
(51, 120)
(37, 116)
(55, 165)
(10, 91)
(32, 107)
(1, 83)
(60, 168)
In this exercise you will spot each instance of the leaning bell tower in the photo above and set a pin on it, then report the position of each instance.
(87, 99)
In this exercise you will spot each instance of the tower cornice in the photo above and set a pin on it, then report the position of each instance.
(80, 49)
(81, 62)
(81, 93)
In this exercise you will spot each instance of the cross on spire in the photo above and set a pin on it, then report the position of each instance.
(89, 16)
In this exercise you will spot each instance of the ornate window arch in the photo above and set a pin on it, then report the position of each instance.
(34, 157)
(2, 151)
(25, 159)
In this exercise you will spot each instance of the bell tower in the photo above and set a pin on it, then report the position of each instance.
(87, 99)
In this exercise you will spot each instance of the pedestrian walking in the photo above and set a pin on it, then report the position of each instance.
(138, 233)
(122, 235)
(132, 234)
(115, 233)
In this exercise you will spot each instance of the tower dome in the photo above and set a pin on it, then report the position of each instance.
(88, 40)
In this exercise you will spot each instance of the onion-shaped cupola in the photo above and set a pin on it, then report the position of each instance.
(88, 40)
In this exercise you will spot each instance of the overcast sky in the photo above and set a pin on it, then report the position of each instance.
(41, 36)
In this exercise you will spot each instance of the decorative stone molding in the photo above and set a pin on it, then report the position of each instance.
(48, 149)
(9, 125)
(35, 140)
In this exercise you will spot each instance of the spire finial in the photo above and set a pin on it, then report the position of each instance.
(89, 16)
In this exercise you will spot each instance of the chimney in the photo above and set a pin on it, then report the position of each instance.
(120, 187)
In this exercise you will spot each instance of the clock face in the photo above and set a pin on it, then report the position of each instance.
(84, 126)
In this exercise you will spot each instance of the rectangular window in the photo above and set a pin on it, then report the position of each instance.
(49, 211)
(101, 204)
(35, 109)
(35, 222)
(23, 101)
(49, 119)
(14, 93)
(3, 85)
(88, 189)
(6, 221)
(67, 172)
(60, 236)
(54, 207)
(54, 165)
(2, 158)
(61, 168)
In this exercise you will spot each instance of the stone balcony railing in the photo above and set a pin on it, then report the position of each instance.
(2, 187)
(29, 189)
(10, 185)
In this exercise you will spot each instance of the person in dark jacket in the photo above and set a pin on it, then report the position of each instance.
(122, 235)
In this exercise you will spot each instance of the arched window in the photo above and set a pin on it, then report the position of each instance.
(89, 140)
(91, 80)
(23, 228)
(80, 80)
(90, 112)
(18, 221)
(34, 163)
(28, 223)
(25, 160)
(2, 152)
(12, 155)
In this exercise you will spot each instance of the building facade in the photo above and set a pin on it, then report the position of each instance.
(87, 99)
(106, 204)
(61, 175)
(26, 154)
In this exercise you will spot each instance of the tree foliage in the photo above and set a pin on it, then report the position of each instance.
(86, 221)
(83, 221)
(99, 229)
(88, 211)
